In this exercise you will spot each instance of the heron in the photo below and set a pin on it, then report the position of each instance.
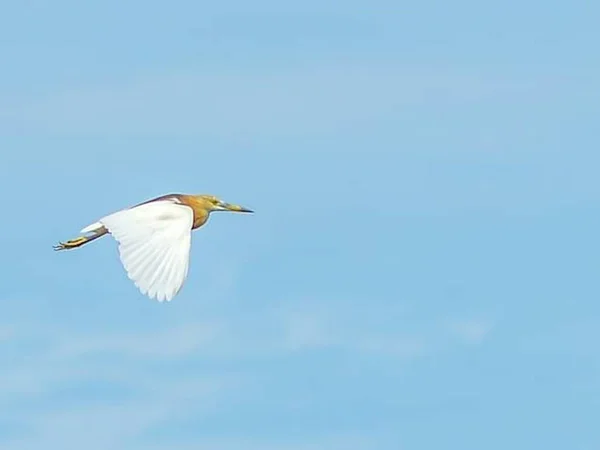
(154, 239)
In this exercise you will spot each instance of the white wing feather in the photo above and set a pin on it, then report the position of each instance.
(154, 245)
(93, 227)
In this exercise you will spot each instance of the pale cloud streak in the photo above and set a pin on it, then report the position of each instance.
(144, 362)
(110, 424)
(273, 103)
(472, 331)
(171, 343)
(329, 441)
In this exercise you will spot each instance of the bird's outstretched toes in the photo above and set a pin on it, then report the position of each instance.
(73, 243)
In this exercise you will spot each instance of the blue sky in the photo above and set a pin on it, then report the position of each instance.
(421, 270)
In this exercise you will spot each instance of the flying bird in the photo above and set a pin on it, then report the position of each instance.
(154, 239)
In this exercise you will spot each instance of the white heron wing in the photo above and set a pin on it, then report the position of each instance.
(154, 245)
(93, 227)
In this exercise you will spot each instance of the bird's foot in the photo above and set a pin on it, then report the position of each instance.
(73, 243)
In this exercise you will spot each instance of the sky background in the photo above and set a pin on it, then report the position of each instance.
(422, 269)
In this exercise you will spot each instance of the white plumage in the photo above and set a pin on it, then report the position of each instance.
(154, 239)
(154, 245)
(91, 228)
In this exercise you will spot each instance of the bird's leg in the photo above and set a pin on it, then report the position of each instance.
(81, 240)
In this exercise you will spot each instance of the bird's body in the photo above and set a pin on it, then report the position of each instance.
(154, 239)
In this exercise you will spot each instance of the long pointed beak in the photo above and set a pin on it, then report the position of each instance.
(236, 208)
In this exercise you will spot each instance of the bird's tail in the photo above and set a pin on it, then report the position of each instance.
(81, 240)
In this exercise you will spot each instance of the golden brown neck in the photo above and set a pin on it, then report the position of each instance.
(200, 207)
(200, 217)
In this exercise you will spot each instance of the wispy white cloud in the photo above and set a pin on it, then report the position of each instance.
(473, 331)
(145, 363)
(305, 331)
(269, 103)
(175, 342)
(148, 392)
(115, 424)
(328, 441)
(72, 431)
(574, 337)
(6, 333)
(402, 347)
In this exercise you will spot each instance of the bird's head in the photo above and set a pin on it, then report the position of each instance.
(212, 203)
